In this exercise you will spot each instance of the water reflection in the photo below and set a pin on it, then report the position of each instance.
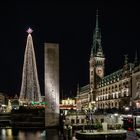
(16, 134)
(6, 134)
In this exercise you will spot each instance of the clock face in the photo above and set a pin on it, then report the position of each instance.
(99, 71)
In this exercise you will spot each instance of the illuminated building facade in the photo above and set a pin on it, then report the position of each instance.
(109, 91)
(30, 89)
(136, 87)
(67, 104)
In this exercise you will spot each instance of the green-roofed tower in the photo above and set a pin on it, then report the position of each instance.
(97, 58)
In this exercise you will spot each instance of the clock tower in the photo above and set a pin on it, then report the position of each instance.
(96, 63)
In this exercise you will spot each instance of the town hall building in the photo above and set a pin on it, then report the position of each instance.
(120, 89)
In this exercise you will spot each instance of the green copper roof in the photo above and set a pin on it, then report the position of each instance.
(84, 88)
(113, 77)
(96, 46)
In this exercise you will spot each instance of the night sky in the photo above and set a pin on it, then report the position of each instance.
(71, 25)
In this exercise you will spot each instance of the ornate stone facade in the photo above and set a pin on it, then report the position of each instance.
(109, 91)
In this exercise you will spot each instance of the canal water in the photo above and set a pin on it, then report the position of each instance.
(26, 134)
(37, 134)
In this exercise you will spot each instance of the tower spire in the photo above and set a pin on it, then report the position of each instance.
(78, 89)
(125, 59)
(136, 58)
(97, 26)
(96, 67)
(96, 46)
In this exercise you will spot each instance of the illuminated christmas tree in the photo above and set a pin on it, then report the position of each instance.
(30, 89)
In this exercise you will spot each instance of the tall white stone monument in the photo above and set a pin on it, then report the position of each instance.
(52, 84)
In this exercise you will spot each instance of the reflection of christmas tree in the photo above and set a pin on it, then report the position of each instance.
(30, 89)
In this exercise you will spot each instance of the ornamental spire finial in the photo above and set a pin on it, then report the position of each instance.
(136, 57)
(97, 20)
(126, 58)
(29, 31)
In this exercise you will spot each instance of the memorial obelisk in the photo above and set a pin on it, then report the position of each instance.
(52, 84)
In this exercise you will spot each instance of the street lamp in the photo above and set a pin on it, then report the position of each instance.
(126, 108)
